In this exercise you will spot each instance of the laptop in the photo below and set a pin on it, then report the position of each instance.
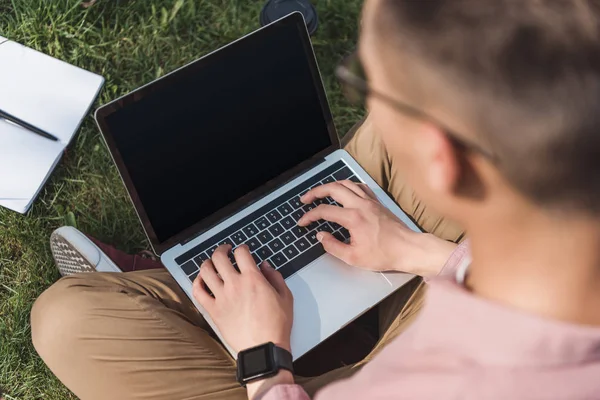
(220, 151)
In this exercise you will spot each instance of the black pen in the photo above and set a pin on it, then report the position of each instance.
(27, 126)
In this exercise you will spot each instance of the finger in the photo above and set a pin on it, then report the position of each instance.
(201, 294)
(369, 191)
(355, 188)
(342, 216)
(335, 247)
(274, 277)
(244, 259)
(210, 277)
(337, 191)
(222, 263)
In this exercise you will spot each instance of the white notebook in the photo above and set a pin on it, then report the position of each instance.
(48, 94)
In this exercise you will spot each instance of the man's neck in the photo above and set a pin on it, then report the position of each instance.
(545, 265)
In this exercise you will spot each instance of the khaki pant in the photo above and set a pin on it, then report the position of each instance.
(137, 336)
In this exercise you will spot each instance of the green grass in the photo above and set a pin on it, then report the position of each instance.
(129, 43)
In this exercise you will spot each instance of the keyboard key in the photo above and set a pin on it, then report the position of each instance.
(296, 203)
(264, 237)
(231, 257)
(278, 260)
(253, 244)
(335, 226)
(355, 179)
(250, 230)
(276, 229)
(285, 209)
(239, 237)
(302, 261)
(273, 216)
(299, 231)
(315, 185)
(189, 267)
(264, 252)
(313, 225)
(329, 200)
(296, 215)
(291, 252)
(262, 223)
(318, 202)
(276, 245)
(325, 228)
(306, 208)
(211, 250)
(194, 276)
(327, 180)
(226, 241)
(257, 259)
(201, 258)
(302, 244)
(345, 233)
(288, 223)
(342, 174)
(339, 236)
(288, 238)
(312, 237)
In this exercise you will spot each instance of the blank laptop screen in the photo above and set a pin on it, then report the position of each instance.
(227, 125)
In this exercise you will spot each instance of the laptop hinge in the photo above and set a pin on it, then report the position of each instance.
(308, 165)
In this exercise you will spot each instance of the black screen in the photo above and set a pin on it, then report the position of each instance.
(255, 362)
(220, 128)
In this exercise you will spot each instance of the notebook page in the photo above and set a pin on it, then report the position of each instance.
(26, 159)
(47, 93)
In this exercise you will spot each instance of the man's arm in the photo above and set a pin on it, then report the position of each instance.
(458, 259)
(379, 240)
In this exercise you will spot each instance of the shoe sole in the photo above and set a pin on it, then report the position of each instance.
(69, 260)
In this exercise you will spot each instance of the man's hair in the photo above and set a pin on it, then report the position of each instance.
(528, 75)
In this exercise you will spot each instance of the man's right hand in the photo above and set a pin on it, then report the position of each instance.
(379, 240)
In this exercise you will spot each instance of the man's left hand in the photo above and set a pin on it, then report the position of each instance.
(250, 307)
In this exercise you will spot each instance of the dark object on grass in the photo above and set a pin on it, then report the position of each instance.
(275, 9)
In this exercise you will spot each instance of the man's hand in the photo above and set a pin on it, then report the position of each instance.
(379, 240)
(250, 307)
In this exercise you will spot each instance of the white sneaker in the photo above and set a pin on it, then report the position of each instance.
(74, 253)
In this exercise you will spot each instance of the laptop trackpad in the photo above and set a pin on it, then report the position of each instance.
(327, 295)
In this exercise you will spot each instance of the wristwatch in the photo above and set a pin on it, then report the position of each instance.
(262, 362)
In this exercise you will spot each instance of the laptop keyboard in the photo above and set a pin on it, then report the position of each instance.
(272, 232)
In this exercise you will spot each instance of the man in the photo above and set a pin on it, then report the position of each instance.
(488, 109)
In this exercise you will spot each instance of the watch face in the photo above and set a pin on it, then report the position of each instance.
(257, 362)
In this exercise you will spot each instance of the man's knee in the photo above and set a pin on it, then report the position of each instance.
(57, 315)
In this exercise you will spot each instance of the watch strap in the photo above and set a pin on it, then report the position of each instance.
(283, 359)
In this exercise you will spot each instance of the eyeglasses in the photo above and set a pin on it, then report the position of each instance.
(356, 89)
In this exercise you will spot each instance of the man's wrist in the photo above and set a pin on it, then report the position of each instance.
(256, 389)
(422, 254)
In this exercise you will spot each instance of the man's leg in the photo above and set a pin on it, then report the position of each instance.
(135, 335)
(130, 336)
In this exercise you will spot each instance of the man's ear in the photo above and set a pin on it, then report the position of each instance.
(441, 160)
(448, 168)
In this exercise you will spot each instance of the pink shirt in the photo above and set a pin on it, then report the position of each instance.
(465, 347)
